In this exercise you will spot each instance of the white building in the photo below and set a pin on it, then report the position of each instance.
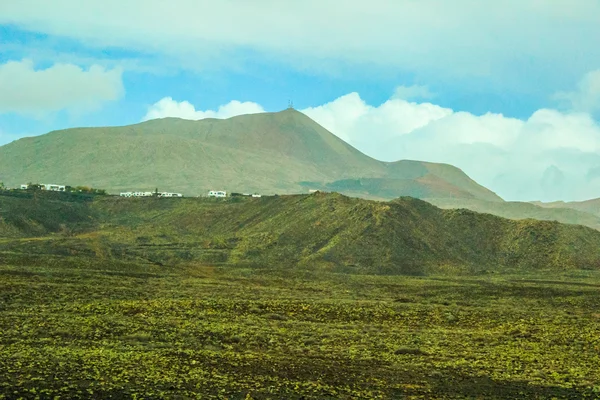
(217, 193)
(47, 186)
(168, 194)
(149, 194)
(53, 187)
(135, 194)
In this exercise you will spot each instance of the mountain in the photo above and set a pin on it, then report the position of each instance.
(578, 213)
(283, 152)
(326, 231)
(588, 206)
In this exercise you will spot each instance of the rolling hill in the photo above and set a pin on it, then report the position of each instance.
(559, 211)
(323, 231)
(591, 206)
(270, 153)
(283, 152)
(115, 298)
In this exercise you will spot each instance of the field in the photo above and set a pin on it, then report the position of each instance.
(118, 330)
(293, 297)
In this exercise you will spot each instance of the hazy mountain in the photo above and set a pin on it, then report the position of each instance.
(283, 152)
(591, 206)
(558, 211)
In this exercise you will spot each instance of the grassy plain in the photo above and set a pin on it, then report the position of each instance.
(118, 330)
(190, 298)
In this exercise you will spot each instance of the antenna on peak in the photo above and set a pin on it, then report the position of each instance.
(290, 105)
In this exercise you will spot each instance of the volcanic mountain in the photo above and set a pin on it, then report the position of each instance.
(269, 153)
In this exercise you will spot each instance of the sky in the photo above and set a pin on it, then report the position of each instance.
(508, 91)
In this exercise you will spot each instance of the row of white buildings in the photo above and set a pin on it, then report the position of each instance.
(149, 194)
(212, 193)
(47, 186)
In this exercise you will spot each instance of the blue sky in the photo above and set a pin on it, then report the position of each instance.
(507, 91)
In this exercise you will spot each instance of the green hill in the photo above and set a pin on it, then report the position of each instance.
(27, 214)
(160, 298)
(559, 211)
(591, 206)
(270, 153)
(323, 231)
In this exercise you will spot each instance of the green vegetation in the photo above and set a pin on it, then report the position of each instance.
(266, 153)
(86, 189)
(321, 231)
(567, 213)
(291, 297)
(588, 206)
(81, 329)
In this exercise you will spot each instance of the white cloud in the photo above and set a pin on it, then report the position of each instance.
(587, 96)
(457, 38)
(551, 155)
(518, 159)
(27, 91)
(167, 107)
(357, 122)
(413, 92)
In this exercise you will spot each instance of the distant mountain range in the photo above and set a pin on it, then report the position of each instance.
(588, 206)
(270, 153)
(523, 210)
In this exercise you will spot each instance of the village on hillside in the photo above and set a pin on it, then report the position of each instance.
(85, 189)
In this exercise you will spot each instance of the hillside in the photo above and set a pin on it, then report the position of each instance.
(26, 214)
(270, 153)
(559, 211)
(256, 298)
(591, 206)
(324, 231)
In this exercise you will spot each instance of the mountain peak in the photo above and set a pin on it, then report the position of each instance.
(279, 152)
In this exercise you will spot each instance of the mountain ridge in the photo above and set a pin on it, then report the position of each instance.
(591, 206)
(268, 152)
(326, 231)
(523, 210)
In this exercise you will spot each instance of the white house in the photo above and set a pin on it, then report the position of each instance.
(53, 187)
(217, 193)
(149, 194)
(47, 186)
(135, 194)
(168, 194)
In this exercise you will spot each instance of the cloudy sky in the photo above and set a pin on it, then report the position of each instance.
(509, 90)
